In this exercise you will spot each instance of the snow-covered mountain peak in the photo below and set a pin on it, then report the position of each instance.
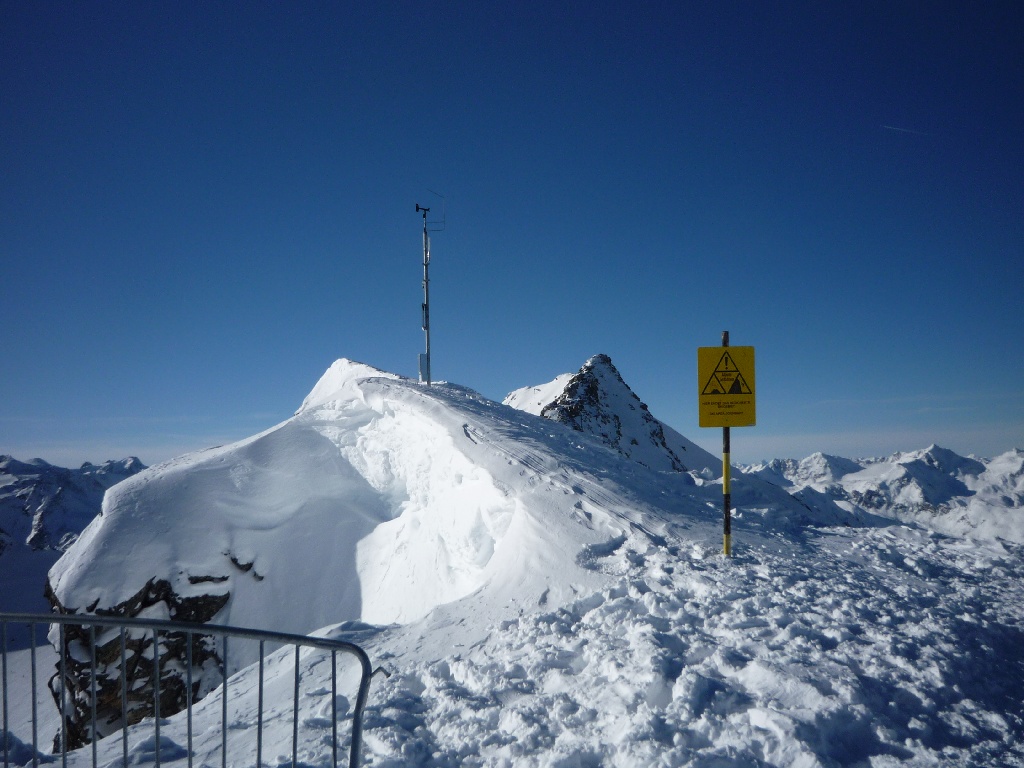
(535, 399)
(11, 466)
(827, 467)
(943, 460)
(598, 402)
(1009, 464)
(818, 470)
(1002, 482)
(45, 506)
(936, 487)
(43, 509)
(340, 382)
(116, 467)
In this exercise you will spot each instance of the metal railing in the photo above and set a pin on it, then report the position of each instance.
(147, 634)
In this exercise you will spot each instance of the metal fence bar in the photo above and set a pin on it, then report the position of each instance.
(259, 714)
(7, 737)
(188, 692)
(156, 699)
(63, 700)
(334, 709)
(92, 690)
(295, 714)
(124, 696)
(158, 627)
(224, 704)
(35, 714)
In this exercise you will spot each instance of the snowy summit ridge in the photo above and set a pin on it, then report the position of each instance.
(340, 383)
(401, 497)
(546, 587)
(380, 501)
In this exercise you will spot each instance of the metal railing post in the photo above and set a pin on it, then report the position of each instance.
(156, 699)
(124, 695)
(188, 692)
(35, 713)
(92, 690)
(7, 731)
(259, 716)
(224, 703)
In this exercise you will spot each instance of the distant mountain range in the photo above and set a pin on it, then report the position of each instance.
(934, 487)
(43, 509)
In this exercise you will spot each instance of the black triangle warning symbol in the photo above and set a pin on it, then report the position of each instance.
(726, 379)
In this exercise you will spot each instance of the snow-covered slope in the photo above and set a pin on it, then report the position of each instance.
(598, 402)
(535, 399)
(43, 508)
(378, 501)
(542, 599)
(934, 487)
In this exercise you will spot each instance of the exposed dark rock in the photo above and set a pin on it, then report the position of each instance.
(244, 567)
(206, 579)
(134, 679)
(592, 402)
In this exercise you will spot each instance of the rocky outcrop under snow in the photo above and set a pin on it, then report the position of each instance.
(597, 401)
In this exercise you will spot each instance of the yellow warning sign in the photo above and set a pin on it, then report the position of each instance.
(725, 379)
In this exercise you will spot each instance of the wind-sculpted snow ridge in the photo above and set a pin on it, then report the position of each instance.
(389, 496)
(935, 487)
(598, 402)
(378, 501)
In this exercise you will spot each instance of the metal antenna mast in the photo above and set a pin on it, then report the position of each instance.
(425, 357)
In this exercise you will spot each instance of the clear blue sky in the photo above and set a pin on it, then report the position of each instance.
(204, 204)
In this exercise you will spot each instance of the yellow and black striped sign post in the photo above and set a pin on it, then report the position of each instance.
(726, 387)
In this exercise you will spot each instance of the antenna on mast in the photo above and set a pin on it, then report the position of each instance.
(425, 357)
(428, 226)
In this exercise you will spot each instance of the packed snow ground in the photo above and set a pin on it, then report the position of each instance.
(541, 600)
(848, 647)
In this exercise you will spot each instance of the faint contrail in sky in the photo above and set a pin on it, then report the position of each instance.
(904, 130)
